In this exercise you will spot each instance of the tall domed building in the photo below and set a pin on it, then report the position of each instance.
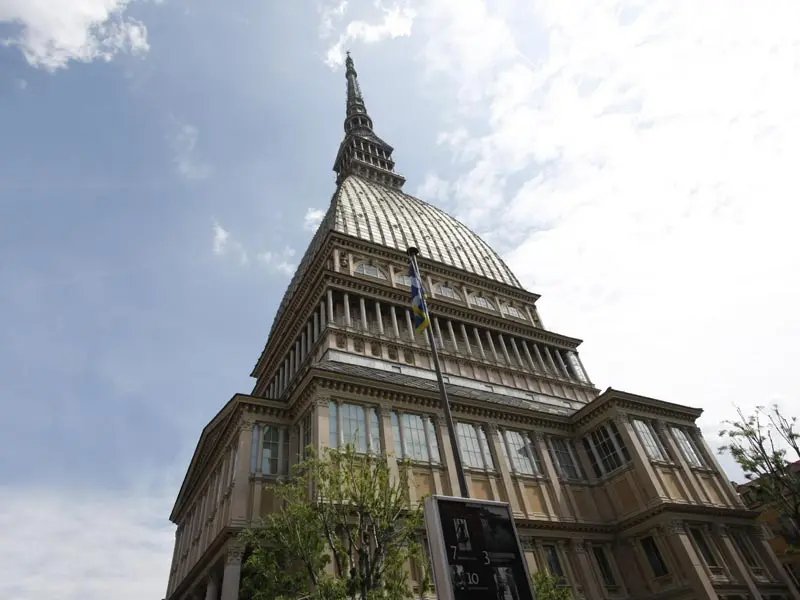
(616, 492)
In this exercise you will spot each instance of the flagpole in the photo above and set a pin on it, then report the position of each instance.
(448, 416)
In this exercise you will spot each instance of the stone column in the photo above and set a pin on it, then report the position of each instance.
(323, 314)
(379, 316)
(733, 560)
(644, 469)
(315, 322)
(591, 584)
(491, 346)
(212, 589)
(362, 305)
(387, 438)
(550, 361)
(503, 348)
(410, 324)
(517, 355)
(539, 358)
(466, 339)
(320, 423)
(452, 334)
(241, 483)
(561, 504)
(477, 333)
(438, 331)
(330, 307)
(232, 573)
(692, 565)
(348, 322)
(528, 356)
(395, 326)
(495, 441)
(449, 460)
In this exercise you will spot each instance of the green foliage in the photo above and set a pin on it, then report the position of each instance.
(764, 445)
(341, 508)
(548, 587)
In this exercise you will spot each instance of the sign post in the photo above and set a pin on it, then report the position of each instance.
(475, 550)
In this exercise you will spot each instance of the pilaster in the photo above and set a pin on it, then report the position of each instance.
(449, 460)
(772, 562)
(495, 439)
(592, 587)
(644, 469)
(692, 564)
(561, 504)
(232, 573)
(240, 494)
(738, 569)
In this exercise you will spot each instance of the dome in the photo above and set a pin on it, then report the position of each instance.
(388, 217)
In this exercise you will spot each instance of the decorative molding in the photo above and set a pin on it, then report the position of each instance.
(675, 526)
(579, 546)
(234, 554)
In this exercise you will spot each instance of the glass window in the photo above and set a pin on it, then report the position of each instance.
(598, 472)
(488, 461)
(398, 441)
(515, 312)
(470, 445)
(370, 271)
(744, 549)
(482, 302)
(687, 447)
(564, 458)
(374, 432)
(702, 545)
(403, 279)
(334, 424)
(553, 561)
(620, 443)
(522, 454)
(354, 426)
(445, 291)
(601, 558)
(415, 446)
(605, 448)
(649, 437)
(654, 557)
(433, 441)
(275, 451)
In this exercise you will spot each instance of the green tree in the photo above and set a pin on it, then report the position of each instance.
(548, 587)
(342, 508)
(765, 444)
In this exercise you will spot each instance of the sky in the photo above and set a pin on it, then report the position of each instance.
(163, 164)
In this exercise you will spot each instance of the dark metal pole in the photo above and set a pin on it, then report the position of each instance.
(448, 416)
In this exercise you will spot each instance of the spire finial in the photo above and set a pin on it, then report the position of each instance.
(362, 152)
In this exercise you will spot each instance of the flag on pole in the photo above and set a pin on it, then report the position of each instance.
(418, 306)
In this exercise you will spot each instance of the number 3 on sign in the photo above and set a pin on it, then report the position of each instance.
(486, 559)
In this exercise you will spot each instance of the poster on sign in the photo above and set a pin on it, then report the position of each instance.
(475, 550)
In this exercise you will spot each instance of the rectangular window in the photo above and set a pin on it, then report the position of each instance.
(334, 423)
(275, 451)
(650, 440)
(308, 432)
(745, 550)
(354, 426)
(521, 452)
(564, 458)
(654, 557)
(604, 566)
(553, 561)
(605, 448)
(471, 442)
(415, 438)
(598, 472)
(688, 449)
(702, 546)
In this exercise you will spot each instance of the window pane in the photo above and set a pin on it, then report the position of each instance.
(687, 447)
(398, 443)
(271, 451)
(374, 432)
(604, 566)
(553, 562)
(703, 547)
(618, 437)
(592, 460)
(334, 422)
(744, 549)
(433, 441)
(469, 445)
(606, 450)
(522, 454)
(354, 426)
(488, 461)
(414, 443)
(647, 435)
(653, 555)
(563, 459)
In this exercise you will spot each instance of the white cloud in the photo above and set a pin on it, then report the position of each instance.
(396, 21)
(184, 139)
(279, 261)
(224, 244)
(88, 544)
(313, 218)
(51, 33)
(634, 161)
(328, 15)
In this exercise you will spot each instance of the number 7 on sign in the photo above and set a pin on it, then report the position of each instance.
(455, 552)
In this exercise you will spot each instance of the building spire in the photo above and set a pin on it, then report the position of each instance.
(362, 152)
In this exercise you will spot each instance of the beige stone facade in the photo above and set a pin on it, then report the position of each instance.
(617, 492)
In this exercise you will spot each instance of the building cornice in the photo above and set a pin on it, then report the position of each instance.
(612, 398)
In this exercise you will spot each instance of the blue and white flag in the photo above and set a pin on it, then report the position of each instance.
(418, 305)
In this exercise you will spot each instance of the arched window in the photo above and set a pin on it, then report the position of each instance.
(515, 312)
(445, 291)
(481, 302)
(370, 271)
